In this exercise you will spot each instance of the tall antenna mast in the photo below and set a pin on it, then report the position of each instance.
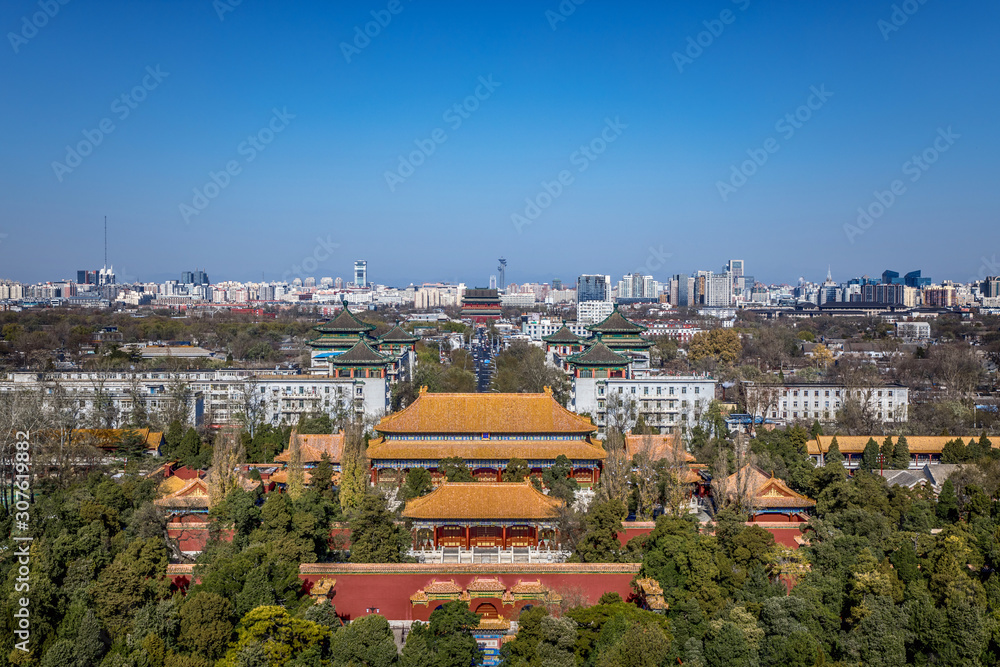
(105, 241)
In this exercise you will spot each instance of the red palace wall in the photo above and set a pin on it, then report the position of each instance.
(784, 529)
(363, 589)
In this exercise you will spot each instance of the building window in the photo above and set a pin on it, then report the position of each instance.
(659, 390)
(697, 390)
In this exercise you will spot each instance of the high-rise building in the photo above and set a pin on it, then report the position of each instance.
(187, 277)
(201, 278)
(309, 282)
(990, 287)
(361, 273)
(681, 290)
(338, 283)
(718, 289)
(891, 278)
(593, 288)
(556, 284)
(914, 279)
(85, 277)
(735, 268)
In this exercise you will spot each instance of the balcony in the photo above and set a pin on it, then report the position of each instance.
(443, 555)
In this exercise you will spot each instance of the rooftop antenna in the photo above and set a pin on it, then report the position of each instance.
(105, 242)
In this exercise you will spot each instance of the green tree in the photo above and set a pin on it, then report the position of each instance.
(418, 483)
(516, 471)
(600, 543)
(833, 455)
(321, 477)
(375, 537)
(901, 454)
(365, 641)
(886, 452)
(205, 627)
(558, 479)
(870, 456)
(447, 637)
(954, 451)
(280, 634)
(455, 470)
(947, 505)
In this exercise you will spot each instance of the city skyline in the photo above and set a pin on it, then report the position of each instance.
(695, 132)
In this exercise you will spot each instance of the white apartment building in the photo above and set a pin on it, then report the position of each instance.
(537, 328)
(211, 397)
(913, 330)
(821, 402)
(592, 312)
(667, 402)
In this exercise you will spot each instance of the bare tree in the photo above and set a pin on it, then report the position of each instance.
(739, 489)
(646, 474)
(105, 412)
(251, 404)
(295, 469)
(20, 411)
(227, 454)
(675, 489)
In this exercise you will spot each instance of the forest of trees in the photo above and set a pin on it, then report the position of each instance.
(887, 576)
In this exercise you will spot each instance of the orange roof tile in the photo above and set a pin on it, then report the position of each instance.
(443, 587)
(658, 446)
(769, 491)
(855, 444)
(313, 445)
(193, 495)
(484, 500)
(575, 450)
(481, 585)
(485, 413)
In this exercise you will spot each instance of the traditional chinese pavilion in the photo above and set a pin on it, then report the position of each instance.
(624, 337)
(400, 348)
(481, 305)
(599, 361)
(563, 343)
(338, 335)
(311, 450)
(772, 499)
(475, 514)
(360, 361)
(486, 431)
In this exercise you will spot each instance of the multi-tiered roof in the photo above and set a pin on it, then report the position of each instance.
(481, 305)
(341, 333)
(483, 427)
(620, 333)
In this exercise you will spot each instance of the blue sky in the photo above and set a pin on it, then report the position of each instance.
(645, 194)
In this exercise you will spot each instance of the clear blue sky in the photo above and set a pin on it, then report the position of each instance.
(656, 185)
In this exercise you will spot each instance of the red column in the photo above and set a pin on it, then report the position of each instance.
(597, 475)
(374, 475)
(468, 539)
(499, 475)
(436, 529)
(503, 537)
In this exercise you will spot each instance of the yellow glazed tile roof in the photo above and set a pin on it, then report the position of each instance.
(485, 413)
(484, 500)
(576, 450)
(855, 444)
(313, 446)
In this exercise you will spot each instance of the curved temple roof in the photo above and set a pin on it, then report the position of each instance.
(485, 413)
